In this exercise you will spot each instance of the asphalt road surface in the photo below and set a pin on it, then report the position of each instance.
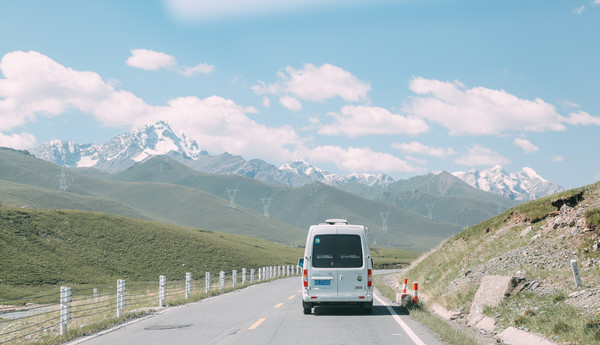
(268, 313)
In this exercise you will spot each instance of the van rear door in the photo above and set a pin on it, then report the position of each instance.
(338, 265)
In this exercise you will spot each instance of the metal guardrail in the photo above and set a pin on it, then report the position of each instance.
(80, 309)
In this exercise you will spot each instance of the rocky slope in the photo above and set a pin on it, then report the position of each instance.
(533, 244)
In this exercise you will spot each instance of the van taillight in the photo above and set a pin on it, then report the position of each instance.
(305, 276)
(370, 283)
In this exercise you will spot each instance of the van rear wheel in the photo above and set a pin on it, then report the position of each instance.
(368, 307)
(307, 306)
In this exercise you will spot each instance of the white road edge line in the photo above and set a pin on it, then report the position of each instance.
(402, 324)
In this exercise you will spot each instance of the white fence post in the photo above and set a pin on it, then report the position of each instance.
(252, 276)
(243, 276)
(188, 284)
(120, 296)
(576, 275)
(95, 295)
(207, 281)
(65, 308)
(162, 291)
(221, 280)
(233, 278)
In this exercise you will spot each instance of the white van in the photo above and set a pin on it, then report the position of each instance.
(337, 266)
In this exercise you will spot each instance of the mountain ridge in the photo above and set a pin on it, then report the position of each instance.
(124, 151)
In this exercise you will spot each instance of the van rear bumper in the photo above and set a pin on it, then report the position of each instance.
(337, 300)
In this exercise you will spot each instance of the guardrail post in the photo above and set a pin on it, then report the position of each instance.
(95, 295)
(233, 278)
(221, 280)
(65, 308)
(120, 296)
(243, 276)
(207, 281)
(576, 275)
(162, 291)
(188, 284)
(252, 276)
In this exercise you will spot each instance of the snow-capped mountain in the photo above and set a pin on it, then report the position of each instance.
(122, 151)
(301, 168)
(125, 150)
(525, 184)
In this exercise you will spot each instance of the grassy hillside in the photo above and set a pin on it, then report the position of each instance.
(164, 190)
(452, 200)
(34, 183)
(304, 206)
(49, 247)
(534, 241)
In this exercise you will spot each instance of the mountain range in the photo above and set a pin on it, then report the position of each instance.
(525, 184)
(128, 149)
(164, 190)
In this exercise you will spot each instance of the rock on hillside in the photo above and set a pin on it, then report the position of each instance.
(533, 243)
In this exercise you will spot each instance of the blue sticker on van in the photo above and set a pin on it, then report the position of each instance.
(317, 240)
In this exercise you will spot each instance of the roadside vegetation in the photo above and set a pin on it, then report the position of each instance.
(43, 249)
(534, 241)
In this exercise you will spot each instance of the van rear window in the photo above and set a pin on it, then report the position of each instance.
(337, 251)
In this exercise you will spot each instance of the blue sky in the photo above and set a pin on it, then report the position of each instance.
(400, 87)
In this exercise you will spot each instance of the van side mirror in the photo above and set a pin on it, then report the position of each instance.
(301, 262)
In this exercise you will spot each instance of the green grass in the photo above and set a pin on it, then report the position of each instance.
(593, 219)
(388, 258)
(549, 315)
(52, 247)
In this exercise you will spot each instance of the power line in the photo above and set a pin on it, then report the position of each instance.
(384, 217)
(266, 204)
(430, 211)
(232, 193)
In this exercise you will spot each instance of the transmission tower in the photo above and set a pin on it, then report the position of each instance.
(384, 217)
(430, 211)
(266, 204)
(232, 193)
(63, 180)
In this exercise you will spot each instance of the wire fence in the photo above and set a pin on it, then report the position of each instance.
(81, 310)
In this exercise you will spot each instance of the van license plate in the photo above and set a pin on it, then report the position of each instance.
(322, 282)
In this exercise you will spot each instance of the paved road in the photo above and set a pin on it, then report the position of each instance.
(269, 313)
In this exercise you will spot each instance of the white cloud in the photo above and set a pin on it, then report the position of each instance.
(202, 68)
(525, 145)
(478, 155)
(479, 110)
(579, 10)
(150, 60)
(266, 102)
(359, 159)
(17, 141)
(316, 84)
(557, 159)
(36, 85)
(582, 118)
(354, 121)
(416, 147)
(290, 103)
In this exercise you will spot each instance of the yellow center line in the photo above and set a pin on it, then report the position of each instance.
(292, 296)
(279, 305)
(256, 324)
